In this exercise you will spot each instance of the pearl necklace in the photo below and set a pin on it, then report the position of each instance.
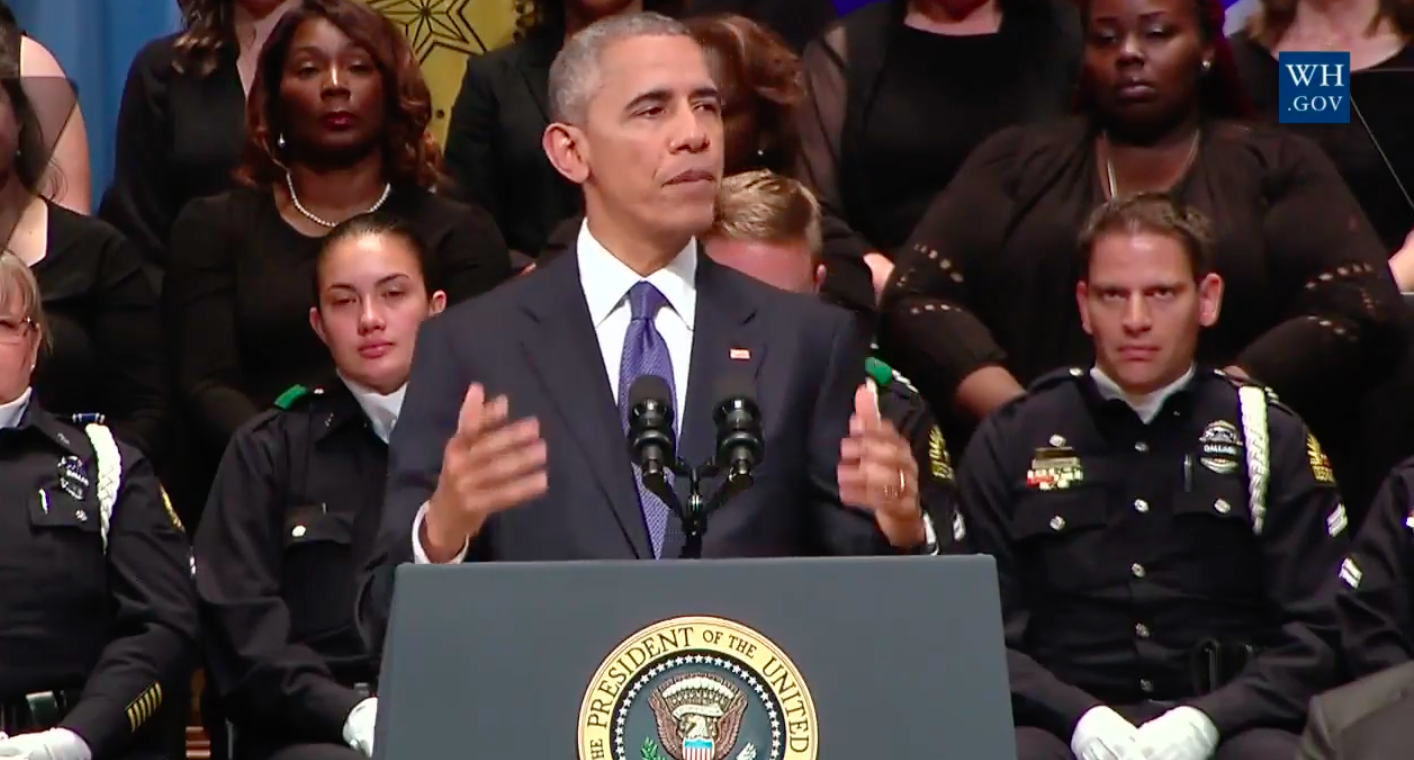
(294, 198)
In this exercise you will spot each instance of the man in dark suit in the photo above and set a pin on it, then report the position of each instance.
(510, 445)
(1370, 719)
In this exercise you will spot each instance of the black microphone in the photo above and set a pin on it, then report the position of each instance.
(740, 446)
(650, 428)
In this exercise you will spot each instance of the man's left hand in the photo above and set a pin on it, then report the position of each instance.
(1183, 733)
(54, 744)
(877, 472)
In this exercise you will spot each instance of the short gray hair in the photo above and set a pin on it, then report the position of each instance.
(574, 76)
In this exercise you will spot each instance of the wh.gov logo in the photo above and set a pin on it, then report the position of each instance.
(1315, 88)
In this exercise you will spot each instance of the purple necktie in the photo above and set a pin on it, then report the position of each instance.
(645, 353)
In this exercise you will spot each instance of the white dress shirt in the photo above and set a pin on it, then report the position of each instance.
(11, 413)
(606, 282)
(381, 409)
(1147, 406)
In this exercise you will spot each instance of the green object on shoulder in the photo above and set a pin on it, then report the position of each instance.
(882, 373)
(289, 397)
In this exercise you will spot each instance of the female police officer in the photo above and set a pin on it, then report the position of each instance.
(97, 609)
(296, 505)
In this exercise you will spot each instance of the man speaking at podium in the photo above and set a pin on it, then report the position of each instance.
(511, 444)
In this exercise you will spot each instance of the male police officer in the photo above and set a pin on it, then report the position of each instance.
(1166, 536)
(768, 226)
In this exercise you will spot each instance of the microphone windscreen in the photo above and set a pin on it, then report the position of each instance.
(649, 388)
(734, 385)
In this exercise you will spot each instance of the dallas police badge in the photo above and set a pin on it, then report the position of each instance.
(1221, 447)
(697, 688)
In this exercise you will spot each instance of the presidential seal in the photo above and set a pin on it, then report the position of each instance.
(697, 688)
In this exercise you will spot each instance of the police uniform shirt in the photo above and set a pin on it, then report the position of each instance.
(292, 517)
(1375, 600)
(97, 610)
(1120, 545)
(901, 404)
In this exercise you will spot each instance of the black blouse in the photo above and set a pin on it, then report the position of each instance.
(1384, 96)
(241, 283)
(105, 351)
(1309, 308)
(893, 111)
(179, 137)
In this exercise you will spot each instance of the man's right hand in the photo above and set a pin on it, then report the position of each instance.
(1103, 734)
(489, 465)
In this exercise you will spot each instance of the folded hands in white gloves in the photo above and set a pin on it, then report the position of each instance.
(1183, 733)
(358, 729)
(54, 744)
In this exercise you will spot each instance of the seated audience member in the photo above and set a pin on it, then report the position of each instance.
(105, 352)
(97, 608)
(469, 482)
(758, 79)
(295, 510)
(338, 117)
(66, 179)
(980, 306)
(1366, 719)
(500, 115)
(768, 226)
(181, 124)
(900, 92)
(1165, 535)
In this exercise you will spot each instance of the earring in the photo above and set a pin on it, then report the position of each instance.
(280, 142)
(1207, 66)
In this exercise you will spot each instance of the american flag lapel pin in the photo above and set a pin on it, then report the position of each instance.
(739, 354)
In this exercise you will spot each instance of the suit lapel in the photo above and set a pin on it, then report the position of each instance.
(723, 341)
(565, 354)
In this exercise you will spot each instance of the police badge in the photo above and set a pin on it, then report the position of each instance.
(73, 477)
(1221, 447)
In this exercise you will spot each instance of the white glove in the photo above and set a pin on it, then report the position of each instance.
(54, 744)
(358, 729)
(1103, 734)
(1183, 733)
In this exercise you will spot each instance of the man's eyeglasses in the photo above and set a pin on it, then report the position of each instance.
(13, 331)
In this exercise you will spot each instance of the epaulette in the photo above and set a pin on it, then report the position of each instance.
(1238, 382)
(292, 396)
(885, 376)
(1054, 378)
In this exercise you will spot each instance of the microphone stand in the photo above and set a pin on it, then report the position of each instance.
(694, 517)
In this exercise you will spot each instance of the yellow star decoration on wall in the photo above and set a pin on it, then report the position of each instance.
(443, 33)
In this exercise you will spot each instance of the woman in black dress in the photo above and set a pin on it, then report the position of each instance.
(181, 123)
(337, 127)
(900, 92)
(983, 299)
(105, 354)
(493, 142)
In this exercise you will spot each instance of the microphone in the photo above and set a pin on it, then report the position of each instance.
(650, 429)
(740, 446)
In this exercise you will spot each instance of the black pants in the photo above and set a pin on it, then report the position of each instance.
(1254, 744)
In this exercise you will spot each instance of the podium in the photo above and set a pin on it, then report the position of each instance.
(779, 659)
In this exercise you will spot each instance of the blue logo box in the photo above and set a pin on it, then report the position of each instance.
(1315, 88)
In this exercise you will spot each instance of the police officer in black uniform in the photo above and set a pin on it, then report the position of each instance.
(1376, 597)
(768, 227)
(1166, 536)
(97, 609)
(295, 509)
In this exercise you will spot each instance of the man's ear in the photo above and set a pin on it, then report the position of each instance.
(567, 150)
(1210, 299)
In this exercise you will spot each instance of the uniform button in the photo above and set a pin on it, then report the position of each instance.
(1137, 569)
(1141, 630)
(1141, 447)
(298, 531)
(1222, 506)
(1057, 522)
(1141, 506)
(1146, 686)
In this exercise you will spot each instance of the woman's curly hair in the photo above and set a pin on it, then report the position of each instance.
(207, 27)
(540, 15)
(410, 154)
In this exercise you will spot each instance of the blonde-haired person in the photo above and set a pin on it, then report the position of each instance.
(99, 612)
(767, 226)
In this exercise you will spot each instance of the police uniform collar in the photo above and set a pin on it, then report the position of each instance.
(35, 417)
(1147, 405)
(381, 409)
(332, 407)
(11, 413)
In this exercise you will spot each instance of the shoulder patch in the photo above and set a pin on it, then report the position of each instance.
(171, 513)
(294, 394)
(1320, 464)
(939, 463)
